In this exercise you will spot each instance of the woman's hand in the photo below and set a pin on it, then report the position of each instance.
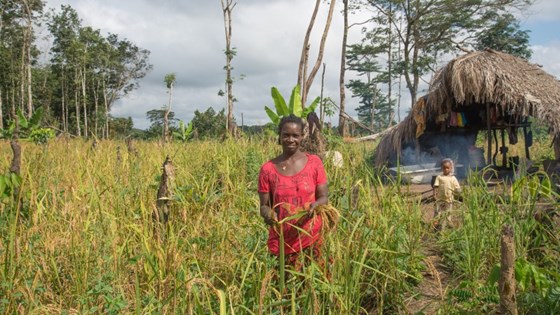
(268, 215)
(311, 210)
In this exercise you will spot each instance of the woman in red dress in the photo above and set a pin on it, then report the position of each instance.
(293, 182)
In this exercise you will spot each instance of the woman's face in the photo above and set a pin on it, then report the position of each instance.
(290, 137)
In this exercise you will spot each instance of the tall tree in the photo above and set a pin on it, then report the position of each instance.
(169, 83)
(18, 52)
(427, 29)
(66, 51)
(91, 72)
(157, 118)
(227, 8)
(375, 110)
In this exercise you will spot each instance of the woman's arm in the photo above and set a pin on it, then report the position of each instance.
(266, 211)
(321, 195)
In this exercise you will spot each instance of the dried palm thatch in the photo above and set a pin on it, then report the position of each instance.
(482, 78)
(492, 77)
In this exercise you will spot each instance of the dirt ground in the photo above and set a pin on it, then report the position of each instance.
(431, 291)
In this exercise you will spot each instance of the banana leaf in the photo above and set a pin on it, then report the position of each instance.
(272, 115)
(295, 102)
(279, 103)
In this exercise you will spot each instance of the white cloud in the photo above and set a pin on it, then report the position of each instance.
(548, 57)
(544, 11)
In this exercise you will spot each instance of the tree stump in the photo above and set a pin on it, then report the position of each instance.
(506, 284)
(165, 191)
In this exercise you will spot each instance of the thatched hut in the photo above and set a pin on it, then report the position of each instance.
(479, 91)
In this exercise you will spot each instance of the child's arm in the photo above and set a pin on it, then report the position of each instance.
(457, 187)
(435, 187)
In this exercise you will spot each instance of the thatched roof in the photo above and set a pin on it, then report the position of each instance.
(484, 77)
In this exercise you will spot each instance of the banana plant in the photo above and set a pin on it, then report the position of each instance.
(9, 182)
(185, 131)
(293, 107)
(29, 129)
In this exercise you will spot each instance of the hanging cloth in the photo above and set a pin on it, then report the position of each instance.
(419, 114)
(453, 119)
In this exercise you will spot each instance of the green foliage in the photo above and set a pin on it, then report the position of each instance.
(185, 131)
(41, 135)
(120, 127)
(156, 118)
(169, 80)
(9, 182)
(83, 60)
(430, 29)
(505, 35)
(295, 106)
(209, 124)
(29, 128)
(329, 107)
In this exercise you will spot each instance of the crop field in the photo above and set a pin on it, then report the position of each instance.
(79, 237)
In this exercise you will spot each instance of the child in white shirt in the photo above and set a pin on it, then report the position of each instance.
(446, 186)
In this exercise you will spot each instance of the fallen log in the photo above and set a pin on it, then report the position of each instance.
(371, 137)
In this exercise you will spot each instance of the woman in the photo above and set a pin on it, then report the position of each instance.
(293, 182)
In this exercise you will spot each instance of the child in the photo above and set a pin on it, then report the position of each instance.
(446, 187)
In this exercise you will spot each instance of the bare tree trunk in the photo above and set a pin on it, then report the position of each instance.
(302, 69)
(96, 108)
(29, 85)
(84, 101)
(227, 8)
(1, 113)
(342, 124)
(311, 77)
(556, 146)
(22, 81)
(373, 106)
(166, 115)
(321, 109)
(399, 57)
(506, 284)
(15, 166)
(27, 65)
(390, 65)
(106, 127)
(63, 101)
(77, 106)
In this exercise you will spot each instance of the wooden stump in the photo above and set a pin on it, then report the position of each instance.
(506, 284)
(165, 191)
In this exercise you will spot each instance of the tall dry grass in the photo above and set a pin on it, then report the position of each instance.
(82, 238)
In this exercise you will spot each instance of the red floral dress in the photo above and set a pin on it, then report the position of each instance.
(289, 195)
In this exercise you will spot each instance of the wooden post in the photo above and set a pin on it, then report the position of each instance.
(556, 145)
(489, 129)
(506, 284)
(503, 149)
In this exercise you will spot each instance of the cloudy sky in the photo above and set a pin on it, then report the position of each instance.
(186, 37)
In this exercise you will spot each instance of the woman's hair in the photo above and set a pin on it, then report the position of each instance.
(290, 119)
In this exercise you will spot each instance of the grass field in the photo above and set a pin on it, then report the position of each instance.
(79, 237)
